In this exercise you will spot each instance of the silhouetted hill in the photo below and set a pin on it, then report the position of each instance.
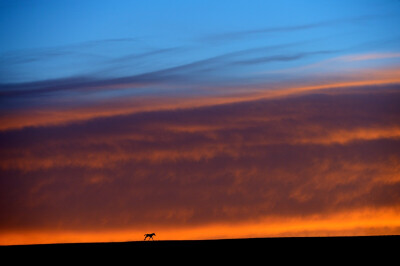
(288, 249)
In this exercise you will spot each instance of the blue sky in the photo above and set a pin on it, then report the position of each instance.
(38, 24)
(186, 44)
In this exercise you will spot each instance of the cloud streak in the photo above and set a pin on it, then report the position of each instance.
(54, 110)
(188, 73)
(239, 35)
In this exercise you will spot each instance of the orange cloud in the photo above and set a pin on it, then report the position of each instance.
(310, 164)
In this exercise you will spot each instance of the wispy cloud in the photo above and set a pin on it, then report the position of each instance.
(209, 69)
(283, 58)
(24, 111)
(240, 35)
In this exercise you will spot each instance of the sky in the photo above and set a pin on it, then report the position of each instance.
(198, 119)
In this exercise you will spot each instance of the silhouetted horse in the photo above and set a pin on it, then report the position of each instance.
(150, 236)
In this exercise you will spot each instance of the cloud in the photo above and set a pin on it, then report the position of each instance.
(281, 158)
(282, 58)
(106, 57)
(28, 110)
(203, 72)
(240, 35)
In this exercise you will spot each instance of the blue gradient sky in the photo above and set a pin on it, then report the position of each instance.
(61, 39)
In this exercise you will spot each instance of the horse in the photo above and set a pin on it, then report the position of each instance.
(150, 236)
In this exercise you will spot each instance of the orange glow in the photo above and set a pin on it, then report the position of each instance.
(352, 223)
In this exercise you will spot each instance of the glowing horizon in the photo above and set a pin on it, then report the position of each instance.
(362, 223)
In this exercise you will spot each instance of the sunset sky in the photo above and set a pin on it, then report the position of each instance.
(198, 119)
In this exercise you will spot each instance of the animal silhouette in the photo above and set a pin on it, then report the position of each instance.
(150, 236)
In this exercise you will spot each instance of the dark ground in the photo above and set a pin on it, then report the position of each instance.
(384, 250)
